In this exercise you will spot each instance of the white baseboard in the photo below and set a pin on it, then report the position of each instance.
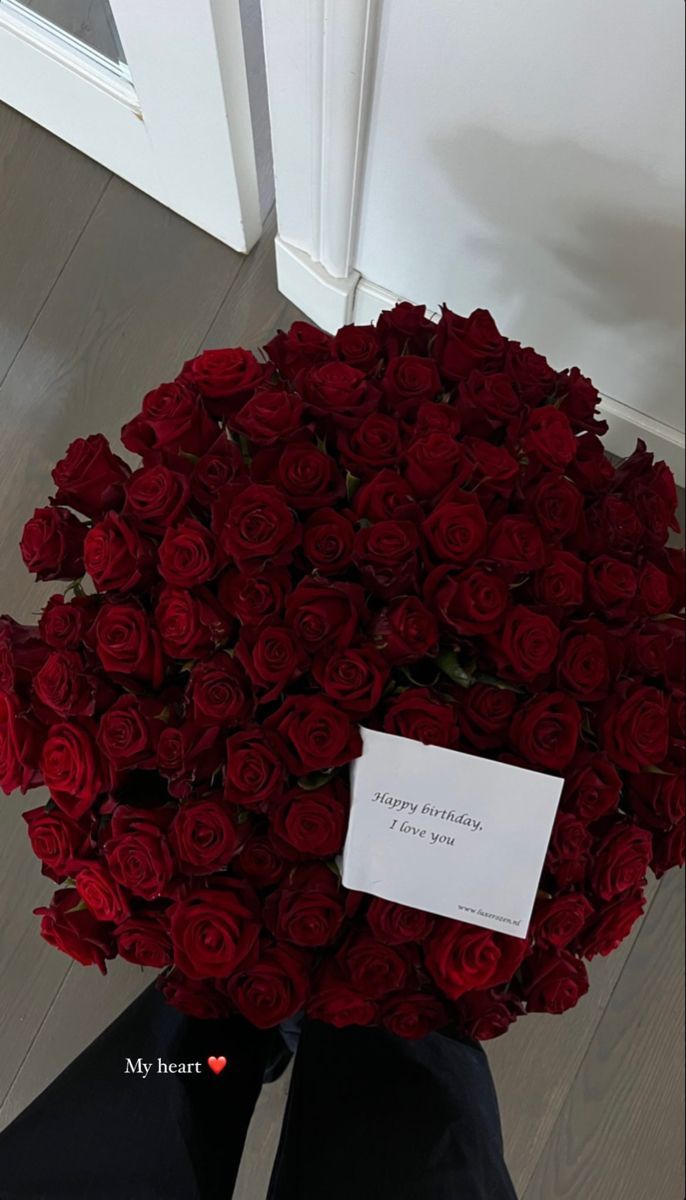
(325, 299)
(334, 302)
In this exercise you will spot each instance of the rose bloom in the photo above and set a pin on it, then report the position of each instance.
(214, 928)
(273, 985)
(462, 957)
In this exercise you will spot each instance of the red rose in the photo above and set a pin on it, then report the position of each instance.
(560, 584)
(339, 1004)
(556, 505)
(254, 524)
(190, 626)
(591, 470)
(219, 692)
(469, 602)
(580, 401)
(115, 556)
(324, 614)
(669, 850)
(302, 346)
(621, 860)
(387, 496)
(488, 1014)
(517, 543)
(568, 854)
(71, 928)
(433, 460)
(73, 768)
(305, 475)
(485, 714)
(187, 555)
(313, 823)
(656, 591)
(386, 554)
(374, 444)
(417, 714)
(456, 531)
(548, 438)
(199, 998)
(63, 685)
(461, 958)
(409, 381)
(560, 920)
(313, 735)
(143, 939)
(493, 467)
(64, 623)
(187, 754)
(127, 644)
(465, 343)
(129, 730)
(396, 924)
(173, 421)
(220, 465)
(214, 928)
(554, 981)
(374, 968)
(611, 924)
(583, 667)
(269, 417)
(273, 657)
(405, 328)
(260, 862)
(592, 788)
(254, 597)
(531, 374)
(137, 851)
(358, 345)
(486, 403)
(155, 497)
(546, 731)
(58, 842)
(612, 586)
(21, 739)
(204, 836)
(406, 631)
(254, 773)
(635, 727)
(658, 801)
(272, 986)
(90, 478)
(328, 540)
(528, 642)
(437, 417)
(52, 544)
(101, 894)
(354, 678)
(339, 392)
(413, 1014)
(224, 377)
(306, 908)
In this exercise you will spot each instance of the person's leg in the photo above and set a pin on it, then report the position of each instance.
(374, 1117)
(102, 1133)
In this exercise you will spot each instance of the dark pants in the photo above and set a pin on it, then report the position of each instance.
(369, 1117)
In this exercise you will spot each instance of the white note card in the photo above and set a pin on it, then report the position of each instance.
(456, 835)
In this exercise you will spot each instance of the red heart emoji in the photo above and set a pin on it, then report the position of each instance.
(216, 1064)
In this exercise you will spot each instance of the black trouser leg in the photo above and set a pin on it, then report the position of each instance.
(374, 1117)
(98, 1133)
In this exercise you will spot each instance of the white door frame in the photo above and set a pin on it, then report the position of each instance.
(181, 131)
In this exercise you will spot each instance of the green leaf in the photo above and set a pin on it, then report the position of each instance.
(451, 666)
(351, 484)
(317, 779)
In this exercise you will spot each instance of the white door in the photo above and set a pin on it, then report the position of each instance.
(156, 90)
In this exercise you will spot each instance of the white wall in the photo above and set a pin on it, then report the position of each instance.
(525, 157)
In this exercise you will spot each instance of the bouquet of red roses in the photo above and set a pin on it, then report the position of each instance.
(410, 525)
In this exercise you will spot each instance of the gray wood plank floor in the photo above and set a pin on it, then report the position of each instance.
(103, 293)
